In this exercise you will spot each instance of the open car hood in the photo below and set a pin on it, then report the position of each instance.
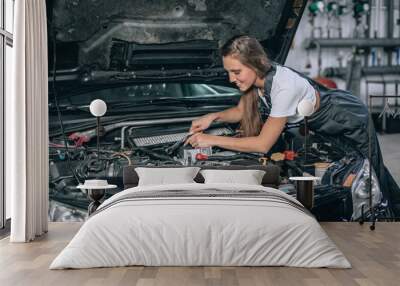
(103, 39)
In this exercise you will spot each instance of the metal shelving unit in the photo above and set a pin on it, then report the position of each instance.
(384, 97)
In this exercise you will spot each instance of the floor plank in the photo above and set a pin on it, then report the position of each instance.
(374, 255)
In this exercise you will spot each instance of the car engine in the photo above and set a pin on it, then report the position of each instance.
(338, 194)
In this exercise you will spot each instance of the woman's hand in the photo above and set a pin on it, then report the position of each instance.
(201, 140)
(261, 143)
(202, 123)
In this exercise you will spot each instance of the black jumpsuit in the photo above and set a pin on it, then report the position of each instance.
(343, 118)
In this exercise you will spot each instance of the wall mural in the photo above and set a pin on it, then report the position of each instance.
(154, 82)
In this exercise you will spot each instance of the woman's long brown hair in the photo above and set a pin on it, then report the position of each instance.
(251, 54)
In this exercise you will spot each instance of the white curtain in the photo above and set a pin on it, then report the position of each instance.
(27, 124)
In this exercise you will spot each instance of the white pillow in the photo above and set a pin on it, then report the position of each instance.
(165, 176)
(248, 177)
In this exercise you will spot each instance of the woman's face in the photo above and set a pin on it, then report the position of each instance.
(239, 74)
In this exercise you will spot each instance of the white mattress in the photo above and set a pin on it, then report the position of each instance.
(183, 231)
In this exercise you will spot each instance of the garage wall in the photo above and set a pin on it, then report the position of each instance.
(298, 58)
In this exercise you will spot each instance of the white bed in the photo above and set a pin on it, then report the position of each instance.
(223, 225)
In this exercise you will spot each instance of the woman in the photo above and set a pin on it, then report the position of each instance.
(271, 96)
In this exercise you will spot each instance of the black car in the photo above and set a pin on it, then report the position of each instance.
(156, 64)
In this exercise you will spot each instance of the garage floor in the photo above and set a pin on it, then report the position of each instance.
(390, 146)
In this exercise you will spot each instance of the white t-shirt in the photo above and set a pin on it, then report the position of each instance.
(288, 89)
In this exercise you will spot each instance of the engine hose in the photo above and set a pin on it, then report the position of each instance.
(232, 157)
(124, 156)
(95, 165)
(155, 155)
(83, 168)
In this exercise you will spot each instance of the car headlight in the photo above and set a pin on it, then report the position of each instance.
(65, 213)
(360, 191)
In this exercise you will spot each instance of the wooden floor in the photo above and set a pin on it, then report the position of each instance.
(374, 255)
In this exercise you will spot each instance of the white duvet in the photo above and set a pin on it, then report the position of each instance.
(182, 231)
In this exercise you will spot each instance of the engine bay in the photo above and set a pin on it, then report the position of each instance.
(161, 143)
